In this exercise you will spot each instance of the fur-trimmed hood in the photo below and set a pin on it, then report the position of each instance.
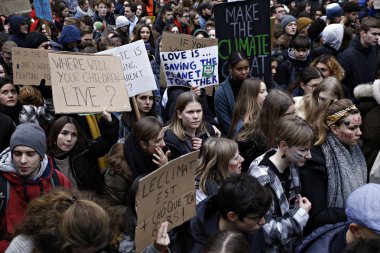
(364, 90)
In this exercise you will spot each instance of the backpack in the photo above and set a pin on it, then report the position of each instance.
(5, 189)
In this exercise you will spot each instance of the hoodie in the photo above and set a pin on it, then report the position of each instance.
(22, 191)
(70, 33)
(15, 22)
(332, 36)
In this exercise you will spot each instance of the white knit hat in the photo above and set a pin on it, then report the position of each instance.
(121, 21)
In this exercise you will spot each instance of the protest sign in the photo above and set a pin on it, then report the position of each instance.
(245, 26)
(138, 73)
(172, 42)
(197, 67)
(43, 9)
(9, 7)
(72, 5)
(87, 83)
(30, 66)
(167, 194)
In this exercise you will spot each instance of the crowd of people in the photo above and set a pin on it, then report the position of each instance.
(282, 167)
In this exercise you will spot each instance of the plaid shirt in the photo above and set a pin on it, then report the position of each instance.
(283, 229)
(42, 114)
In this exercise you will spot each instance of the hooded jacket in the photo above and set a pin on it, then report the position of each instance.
(19, 38)
(70, 33)
(22, 191)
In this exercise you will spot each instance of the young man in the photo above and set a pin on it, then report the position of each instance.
(130, 13)
(25, 173)
(362, 210)
(359, 60)
(164, 19)
(205, 13)
(83, 9)
(240, 205)
(351, 14)
(19, 29)
(278, 12)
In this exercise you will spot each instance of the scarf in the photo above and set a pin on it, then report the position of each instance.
(13, 112)
(138, 160)
(346, 170)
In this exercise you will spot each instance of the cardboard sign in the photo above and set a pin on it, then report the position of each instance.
(138, 73)
(9, 7)
(72, 5)
(30, 66)
(179, 42)
(197, 67)
(167, 194)
(87, 83)
(43, 9)
(376, 4)
(245, 26)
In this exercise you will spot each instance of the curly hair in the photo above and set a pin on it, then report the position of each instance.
(332, 64)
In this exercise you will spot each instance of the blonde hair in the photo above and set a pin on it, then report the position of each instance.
(30, 95)
(183, 100)
(295, 131)
(213, 160)
(332, 64)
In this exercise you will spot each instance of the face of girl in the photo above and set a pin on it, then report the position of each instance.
(139, 10)
(240, 71)
(148, 22)
(145, 34)
(67, 138)
(155, 143)
(291, 110)
(325, 96)
(211, 33)
(145, 101)
(311, 85)
(324, 69)
(2, 72)
(8, 95)
(65, 13)
(348, 132)
(298, 155)
(196, 20)
(112, 8)
(191, 116)
(234, 165)
(262, 94)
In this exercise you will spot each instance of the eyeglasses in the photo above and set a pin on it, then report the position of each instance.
(6, 92)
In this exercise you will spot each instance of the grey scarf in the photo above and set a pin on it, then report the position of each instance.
(346, 170)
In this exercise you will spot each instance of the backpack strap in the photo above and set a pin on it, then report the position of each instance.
(54, 180)
(4, 195)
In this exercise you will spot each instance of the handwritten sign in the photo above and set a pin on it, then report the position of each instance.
(166, 194)
(43, 9)
(30, 66)
(197, 67)
(87, 83)
(138, 73)
(172, 42)
(9, 7)
(245, 26)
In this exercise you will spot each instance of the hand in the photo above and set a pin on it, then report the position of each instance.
(196, 89)
(162, 239)
(106, 115)
(161, 158)
(217, 132)
(303, 203)
(45, 91)
(196, 143)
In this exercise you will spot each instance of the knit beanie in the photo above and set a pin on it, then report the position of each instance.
(98, 25)
(30, 135)
(287, 19)
(333, 11)
(302, 23)
(70, 33)
(316, 28)
(34, 39)
(121, 21)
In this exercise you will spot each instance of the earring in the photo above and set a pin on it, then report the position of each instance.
(283, 156)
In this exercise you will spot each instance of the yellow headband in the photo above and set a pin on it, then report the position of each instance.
(330, 120)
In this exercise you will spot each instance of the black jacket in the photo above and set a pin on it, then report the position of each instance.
(360, 65)
(7, 127)
(313, 178)
(83, 160)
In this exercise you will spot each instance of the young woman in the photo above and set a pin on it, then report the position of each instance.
(76, 156)
(226, 94)
(188, 128)
(62, 12)
(194, 21)
(219, 158)
(141, 10)
(308, 106)
(306, 81)
(144, 148)
(328, 66)
(144, 32)
(277, 169)
(248, 105)
(146, 106)
(337, 166)
(255, 139)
